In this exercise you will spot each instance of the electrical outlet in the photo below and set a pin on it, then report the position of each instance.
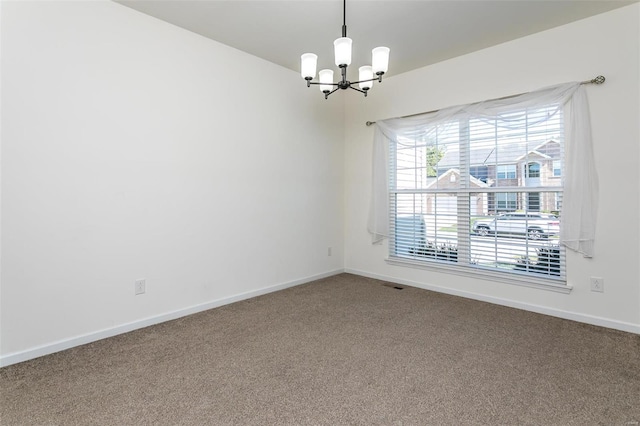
(329, 251)
(597, 284)
(140, 286)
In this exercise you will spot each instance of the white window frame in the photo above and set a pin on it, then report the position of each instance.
(463, 264)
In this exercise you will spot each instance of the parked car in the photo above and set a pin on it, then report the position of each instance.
(532, 225)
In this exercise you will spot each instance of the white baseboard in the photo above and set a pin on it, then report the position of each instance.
(16, 357)
(587, 319)
(61, 345)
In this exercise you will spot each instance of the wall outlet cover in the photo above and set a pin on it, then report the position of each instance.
(140, 286)
(597, 284)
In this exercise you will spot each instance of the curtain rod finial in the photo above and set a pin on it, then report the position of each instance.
(369, 123)
(598, 80)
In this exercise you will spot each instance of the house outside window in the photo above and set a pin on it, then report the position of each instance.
(442, 215)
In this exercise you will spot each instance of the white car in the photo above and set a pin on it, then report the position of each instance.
(532, 225)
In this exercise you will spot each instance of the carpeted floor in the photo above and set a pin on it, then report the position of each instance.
(342, 350)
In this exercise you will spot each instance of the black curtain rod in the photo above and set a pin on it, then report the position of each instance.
(598, 80)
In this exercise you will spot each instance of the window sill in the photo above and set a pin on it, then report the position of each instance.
(472, 272)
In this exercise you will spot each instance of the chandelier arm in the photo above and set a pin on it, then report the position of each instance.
(326, 94)
(318, 83)
(359, 90)
(364, 81)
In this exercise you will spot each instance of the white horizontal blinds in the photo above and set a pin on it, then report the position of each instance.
(515, 156)
(421, 186)
(519, 253)
(444, 208)
(472, 171)
(408, 225)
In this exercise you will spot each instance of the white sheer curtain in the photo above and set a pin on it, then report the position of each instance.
(579, 209)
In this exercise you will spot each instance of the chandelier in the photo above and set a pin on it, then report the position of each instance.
(342, 48)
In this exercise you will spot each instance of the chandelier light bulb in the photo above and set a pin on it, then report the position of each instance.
(326, 80)
(342, 47)
(309, 62)
(365, 73)
(380, 60)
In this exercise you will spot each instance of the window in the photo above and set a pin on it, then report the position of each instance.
(506, 201)
(506, 171)
(533, 201)
(533, 170)
(557, 168)
(444, 216)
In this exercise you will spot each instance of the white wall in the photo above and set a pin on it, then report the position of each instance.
(607, 44)
(134, 149)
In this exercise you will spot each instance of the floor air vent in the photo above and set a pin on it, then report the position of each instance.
(397, 287)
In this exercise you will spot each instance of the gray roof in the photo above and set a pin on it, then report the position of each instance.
(475, 181)
(511, 155)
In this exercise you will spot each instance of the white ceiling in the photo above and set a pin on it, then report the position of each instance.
(418, 33)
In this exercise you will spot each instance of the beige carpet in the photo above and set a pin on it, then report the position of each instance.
(342, 350)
